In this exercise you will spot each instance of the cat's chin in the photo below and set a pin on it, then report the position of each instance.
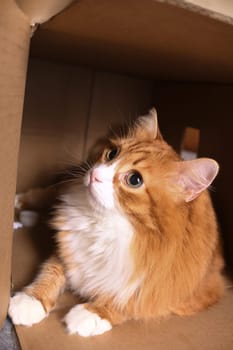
(100, 197)
(100, 193)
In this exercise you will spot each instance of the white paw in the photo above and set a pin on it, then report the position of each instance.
(19, 201)
(25, 310)
(85, 323)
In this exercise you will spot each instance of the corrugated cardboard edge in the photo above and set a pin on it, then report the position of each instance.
(40, 11)
(223, 7)
(14, 46)
(220, 12)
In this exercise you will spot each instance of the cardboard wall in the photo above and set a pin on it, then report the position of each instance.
(55, 116)
(14, 45)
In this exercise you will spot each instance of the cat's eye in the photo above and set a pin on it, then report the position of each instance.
(134, 179)
(112, 153)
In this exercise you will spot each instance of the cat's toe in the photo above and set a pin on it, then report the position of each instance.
(19, 200)
(85, 323)
(25, 310)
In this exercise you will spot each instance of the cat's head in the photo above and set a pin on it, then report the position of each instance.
(138, 170)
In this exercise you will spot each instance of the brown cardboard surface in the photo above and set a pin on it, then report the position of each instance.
(55, 120)
(116, 98)
(146, 37)
(14, 43)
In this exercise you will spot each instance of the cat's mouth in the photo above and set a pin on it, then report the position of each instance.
(100, 188)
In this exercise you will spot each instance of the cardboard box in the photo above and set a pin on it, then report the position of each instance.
(92, 64)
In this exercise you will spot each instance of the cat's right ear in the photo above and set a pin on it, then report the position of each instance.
(194, 176)
(146, 126)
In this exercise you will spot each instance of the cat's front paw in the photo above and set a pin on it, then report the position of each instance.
(25, 310)
(85, 323)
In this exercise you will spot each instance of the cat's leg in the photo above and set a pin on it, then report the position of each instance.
(36, 198)
(93, 318)
(37, 299)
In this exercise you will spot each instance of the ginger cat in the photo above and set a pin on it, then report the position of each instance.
(137, 238)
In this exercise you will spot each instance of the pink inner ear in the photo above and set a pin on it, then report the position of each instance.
(195, 176)
(147, 125)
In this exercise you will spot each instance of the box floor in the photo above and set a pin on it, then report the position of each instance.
(209, 330)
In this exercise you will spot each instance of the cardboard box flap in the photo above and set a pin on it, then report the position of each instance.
(149, 38)
(214, 7)
(14, 45)
(41, 11)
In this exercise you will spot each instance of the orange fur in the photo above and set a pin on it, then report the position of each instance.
(176, 244)
(49, 284)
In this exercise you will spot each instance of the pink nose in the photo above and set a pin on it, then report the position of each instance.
(96, 176)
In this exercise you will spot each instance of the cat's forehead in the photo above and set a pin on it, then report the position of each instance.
(132, 144)
(142, 154)
(133, 154)
(134, 148)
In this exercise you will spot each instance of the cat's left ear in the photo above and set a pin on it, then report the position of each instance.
(194, 176)
(147, 126)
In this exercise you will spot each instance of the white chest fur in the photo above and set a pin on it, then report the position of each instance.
(98, 245)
